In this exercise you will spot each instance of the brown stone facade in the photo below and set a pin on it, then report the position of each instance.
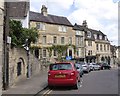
(51, 31)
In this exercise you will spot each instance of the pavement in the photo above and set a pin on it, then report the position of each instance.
(29, 86)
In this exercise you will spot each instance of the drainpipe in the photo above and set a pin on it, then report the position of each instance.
(6, 48)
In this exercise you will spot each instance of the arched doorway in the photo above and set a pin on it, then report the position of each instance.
(20, 67)
(70, 53)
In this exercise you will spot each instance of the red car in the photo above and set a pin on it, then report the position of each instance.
(63, 74)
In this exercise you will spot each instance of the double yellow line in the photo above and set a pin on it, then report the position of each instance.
(47, 92)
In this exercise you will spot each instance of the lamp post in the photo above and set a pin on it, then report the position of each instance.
(26, 46)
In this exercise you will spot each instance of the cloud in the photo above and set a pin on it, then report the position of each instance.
(100, 14)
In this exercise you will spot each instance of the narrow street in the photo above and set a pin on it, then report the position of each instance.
(95, 82)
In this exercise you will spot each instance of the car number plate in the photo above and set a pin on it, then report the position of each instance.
(59, 76)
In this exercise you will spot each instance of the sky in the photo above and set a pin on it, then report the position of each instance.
(100, 14)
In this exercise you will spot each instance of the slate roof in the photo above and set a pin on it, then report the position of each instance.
(52, 19)
(85, 29)
(18, 9)
(78, 27)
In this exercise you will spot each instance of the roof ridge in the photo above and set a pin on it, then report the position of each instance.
(50, 18)
(49, 14)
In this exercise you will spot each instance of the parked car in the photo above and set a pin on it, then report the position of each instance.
(86, 67)
(91, 65)
(94, 66)
(63, 74)
(105, 66)
(79, 69)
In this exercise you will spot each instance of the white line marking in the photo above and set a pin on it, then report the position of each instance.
(46, 91)
(49, 92)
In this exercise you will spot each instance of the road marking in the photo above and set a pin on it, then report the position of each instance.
(47, 92)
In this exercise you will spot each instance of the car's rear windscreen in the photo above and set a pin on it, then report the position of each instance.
(61, 66)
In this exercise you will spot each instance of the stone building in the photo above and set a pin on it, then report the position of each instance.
(97, 46)
(80, 44)
(114, 54)
(18, 59)
(1, 39)
(53, 30)
(20, 11)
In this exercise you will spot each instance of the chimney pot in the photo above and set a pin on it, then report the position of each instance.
(44, 10)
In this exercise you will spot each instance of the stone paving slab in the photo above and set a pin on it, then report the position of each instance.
(29, 86)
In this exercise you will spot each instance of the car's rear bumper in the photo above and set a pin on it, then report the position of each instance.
(96, 68)
(61, 82)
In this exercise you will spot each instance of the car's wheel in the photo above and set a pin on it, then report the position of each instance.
(77, 84)
(50, 87)
(81, 75)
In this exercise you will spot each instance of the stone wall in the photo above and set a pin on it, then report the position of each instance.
(19, 56)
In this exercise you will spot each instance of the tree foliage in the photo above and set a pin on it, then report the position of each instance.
(19, 34)
(60, 50)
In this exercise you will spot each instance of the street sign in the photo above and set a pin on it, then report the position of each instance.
(68, 57)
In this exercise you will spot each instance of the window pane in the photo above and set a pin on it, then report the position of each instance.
(89, 34)
(40, 26)
(97, 47)
(60, 67)
(64, 29)
(60, 28)
(44, 39)
(44, 53)
(70, 40)
(54, 40)
(55, 53)
(62, 40)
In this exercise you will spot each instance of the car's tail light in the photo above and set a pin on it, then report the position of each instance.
(72, 73)
(49, 74)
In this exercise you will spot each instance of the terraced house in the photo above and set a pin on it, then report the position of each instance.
(80, 43)
(97, 45)
(53, 30)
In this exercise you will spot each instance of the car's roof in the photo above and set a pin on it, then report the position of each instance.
(63, 63)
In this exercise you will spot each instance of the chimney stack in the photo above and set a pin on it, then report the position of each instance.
(44, 10)
(84, 23)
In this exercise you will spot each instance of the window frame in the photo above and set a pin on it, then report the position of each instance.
(44, 40)
(40, 26)
(62, 40)
(89, 34)
(44, 51)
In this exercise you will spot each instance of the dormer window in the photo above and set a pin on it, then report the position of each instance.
(78, 32)
(95, 36)
(100, 37)
(89, 34)
(105, 37)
